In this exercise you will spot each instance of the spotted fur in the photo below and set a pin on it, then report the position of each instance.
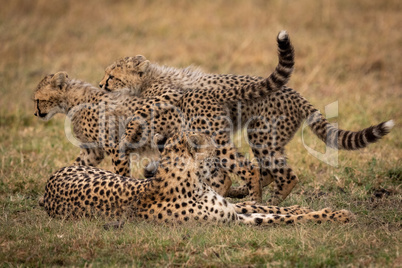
(92, 110)
(271, 121)
(98, 118)
(177, 194)
(206, 109)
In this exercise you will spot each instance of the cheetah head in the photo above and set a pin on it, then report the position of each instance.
(128, 72)
(187, 150)
(49, 95)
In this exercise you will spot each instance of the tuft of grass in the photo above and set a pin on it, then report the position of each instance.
(346, 51)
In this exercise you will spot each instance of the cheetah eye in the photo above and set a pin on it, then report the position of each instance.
(141, 74)
(115, 79)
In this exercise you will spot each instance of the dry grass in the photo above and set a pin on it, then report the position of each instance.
(346, 51)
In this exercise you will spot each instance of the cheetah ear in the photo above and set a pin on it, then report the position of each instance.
(138, 64)
(59, 80)
(159, 141)
(143, 66)
(140, 58)
(133, 62)
(195, 142)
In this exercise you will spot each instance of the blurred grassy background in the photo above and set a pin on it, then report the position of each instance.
(346, 51)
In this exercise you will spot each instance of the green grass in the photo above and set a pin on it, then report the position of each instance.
(346, 51)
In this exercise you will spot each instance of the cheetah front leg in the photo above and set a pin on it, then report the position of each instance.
(218, 180)
(275, 168)
(90, 157)
(275, 171)
(236, 163)
(137, 133)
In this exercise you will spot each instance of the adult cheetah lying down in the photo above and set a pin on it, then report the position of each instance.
(177, 193)
(271, 122)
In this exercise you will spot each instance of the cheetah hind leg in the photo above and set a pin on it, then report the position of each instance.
(219, 181)
(121, 164)
(324, 215)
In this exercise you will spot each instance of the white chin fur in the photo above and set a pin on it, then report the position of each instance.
(48, 116)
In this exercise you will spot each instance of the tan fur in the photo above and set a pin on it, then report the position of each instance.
(177, 194)
(98, 117)
(272, 121)
(203, 108)
(93, 110)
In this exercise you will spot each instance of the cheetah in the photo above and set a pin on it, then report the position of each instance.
(99, 118)
(207, 111)
(271, 122)
(177, 194)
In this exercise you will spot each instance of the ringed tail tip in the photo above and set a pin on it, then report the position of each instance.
(389, 125)
(283, 35)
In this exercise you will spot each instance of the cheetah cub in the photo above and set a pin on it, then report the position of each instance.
(98, 118)
(271, 122)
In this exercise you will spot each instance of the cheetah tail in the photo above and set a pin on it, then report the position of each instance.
(323, 215)
(280, 77)
(344, 139)
(276, 80)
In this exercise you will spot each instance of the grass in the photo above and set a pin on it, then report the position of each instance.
(346, 51)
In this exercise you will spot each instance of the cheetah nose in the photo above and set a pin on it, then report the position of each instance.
(35, 114)
(100, 85)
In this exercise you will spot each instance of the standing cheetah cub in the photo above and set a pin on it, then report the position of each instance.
(271, 122)
(208, 110)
